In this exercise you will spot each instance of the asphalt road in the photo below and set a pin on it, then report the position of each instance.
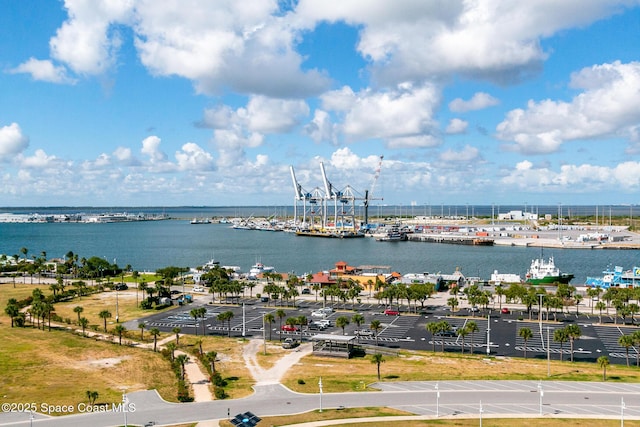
(428, 398)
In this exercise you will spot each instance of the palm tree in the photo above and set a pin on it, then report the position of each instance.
(433, 328)
(358, 319)
(154, 333)
(171, 346)
(603, 362)
(104, 315)
(600, 305)
(443, 327)
(83, 322)
(280, 314)
(12, 311)
(203, 313)
(453, 303)
(226, 316)
(195, 313)
(119, 330)
(636, 341)
(377, 359)
(198, 342)
(375, 326)
(561, 336)
(177, 331)
(526, 334)
(141, 326)
(269, 318)
(342, 322)
(210, 357)
(472, 326)
(462, 332)
(78, 309)
(573, 332)
(182, 359)
(626, 341)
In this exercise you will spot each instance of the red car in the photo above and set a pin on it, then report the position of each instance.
(290, 328)
(391, 312)
(505, 310)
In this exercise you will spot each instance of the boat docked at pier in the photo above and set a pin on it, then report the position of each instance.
(617, 277)
(544, 271)
(394, 234)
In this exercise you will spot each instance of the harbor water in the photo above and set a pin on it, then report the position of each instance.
(149, 245)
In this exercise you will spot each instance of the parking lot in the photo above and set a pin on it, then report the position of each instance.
(407, 330)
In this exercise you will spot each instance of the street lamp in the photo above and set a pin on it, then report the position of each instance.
(437, 401)
(541, 392)
(548, 354)
(320, 385)
(125, 401)
(481, 411)
(488, 334)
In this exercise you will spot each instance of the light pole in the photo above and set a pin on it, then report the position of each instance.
(622, 412)
(243, 320)
(437, 401)
(548, 354)
(320, 385)
(481, 410)
(488, 334)
(541, 392)
(125, 401)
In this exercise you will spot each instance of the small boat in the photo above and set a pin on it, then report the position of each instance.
(200, 221)
(544, 271)
(259, 268)
(394, 234)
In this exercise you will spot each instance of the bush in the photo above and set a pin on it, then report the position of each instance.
(219, 393)
(217, 380)
(301, 381)
(146, 304)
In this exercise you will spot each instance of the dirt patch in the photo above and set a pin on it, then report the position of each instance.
(108, 362)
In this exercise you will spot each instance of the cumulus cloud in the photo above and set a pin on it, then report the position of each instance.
(498, 40)
(456, 126)
(44, 70)
(321, 128)
(606, 108)
(466, 155)
(575, 178)
(269, 115)
(12, 141)
(193, 157)
(478, 101)
(402, 116)
(40, 160)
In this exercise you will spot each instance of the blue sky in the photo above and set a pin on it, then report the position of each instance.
(198, 102)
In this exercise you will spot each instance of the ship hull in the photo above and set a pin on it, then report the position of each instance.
(549, 280)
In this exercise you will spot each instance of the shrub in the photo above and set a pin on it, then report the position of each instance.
(219, 393)
(146, 304)
(301, 381)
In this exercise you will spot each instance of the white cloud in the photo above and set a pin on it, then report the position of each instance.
(456, 126)
(269, 115)
(321, 128)
(396, 116)
(194, 158)
(12, 141)
(87, 42)
(606, 108)
(415, 40)
(466, 155)
(584, 178)
(40, 160)
(479, 101)
(44, 70)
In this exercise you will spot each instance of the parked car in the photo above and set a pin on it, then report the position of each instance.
(121, 287)
(474, 309)
(306, 291)
(449, 333)
(318, 313)
(317, 326)
(505, 310)
(198, 289)
(363, 332)
(391, 312)
(290, 328)
(290, 343)
(264, 299)
(325, 322)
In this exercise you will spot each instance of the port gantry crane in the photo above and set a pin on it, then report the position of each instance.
(316, 205)
(312, 214)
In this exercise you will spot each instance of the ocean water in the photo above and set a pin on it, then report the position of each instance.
(149, 245)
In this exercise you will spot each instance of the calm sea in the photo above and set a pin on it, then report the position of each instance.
(155, 244)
